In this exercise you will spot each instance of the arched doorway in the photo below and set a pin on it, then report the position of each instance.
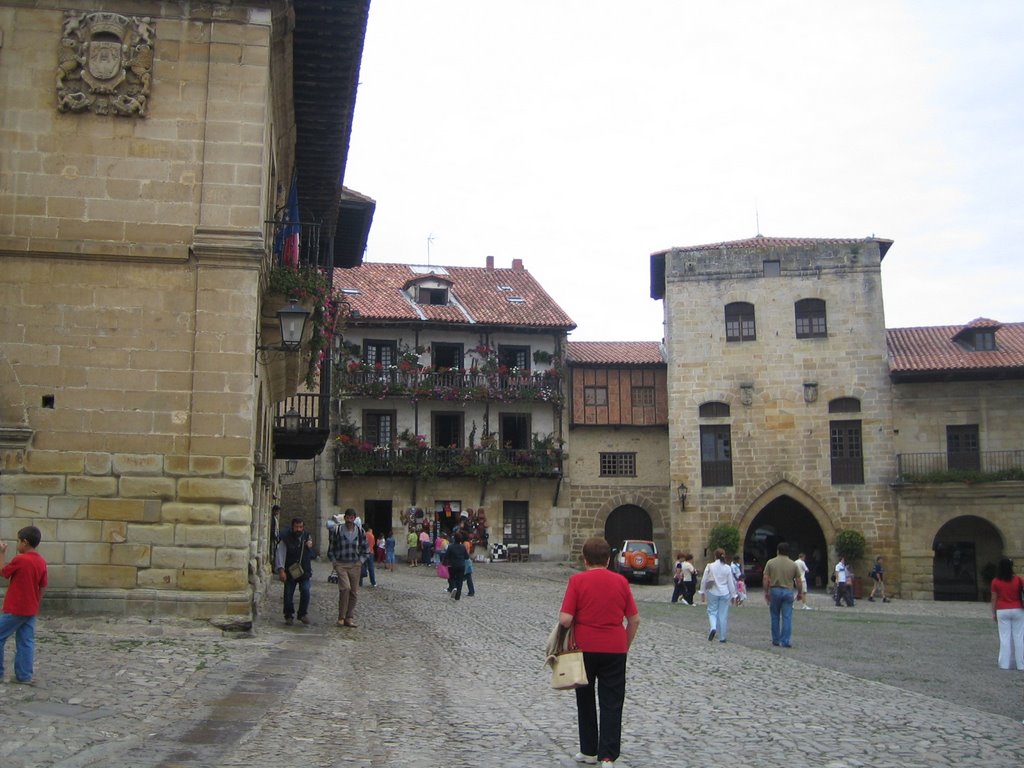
(966, 551)
(785, 519)
(628, 522)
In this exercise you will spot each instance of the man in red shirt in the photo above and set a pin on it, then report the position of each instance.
(27, 574)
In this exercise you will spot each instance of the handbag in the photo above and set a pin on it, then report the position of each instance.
(567, 668)
(442, 570)
(296, 571)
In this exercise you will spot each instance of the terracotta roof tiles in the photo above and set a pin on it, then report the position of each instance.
(615, 353)
(479, 295)
(936, 350)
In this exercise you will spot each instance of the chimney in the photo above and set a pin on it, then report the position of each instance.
(517, 265)
(490, 262)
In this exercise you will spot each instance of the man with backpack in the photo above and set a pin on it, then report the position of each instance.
(347, 552)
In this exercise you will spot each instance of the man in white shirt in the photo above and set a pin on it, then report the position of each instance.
(844, 584)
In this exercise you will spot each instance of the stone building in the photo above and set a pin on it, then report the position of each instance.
(617, 472)
(449, 381)
(794, 414)
(145, 170)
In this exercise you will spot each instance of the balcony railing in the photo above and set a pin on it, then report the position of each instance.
(484, 463)
(973, 467)
(457, 386)
(301, 427)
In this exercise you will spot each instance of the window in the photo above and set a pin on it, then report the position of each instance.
(437, 296)
(739, 322)
(713, 409)
(595, 395)
(715, 455)
(962, 447)
(847, 460)
(618, 465)
(382, 352)
(771, 268)
(643, 397)
(984, 340)
(447, 355)
(514, 430)
(379, 427)
(810, 319)
(447, 431)
(514, 356)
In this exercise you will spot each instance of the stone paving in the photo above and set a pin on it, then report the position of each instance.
(427, 682)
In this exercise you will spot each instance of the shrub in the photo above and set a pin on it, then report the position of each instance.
(725, 536)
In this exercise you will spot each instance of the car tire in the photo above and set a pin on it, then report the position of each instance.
(654, 579)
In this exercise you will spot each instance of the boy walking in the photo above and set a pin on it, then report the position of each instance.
(27, 575)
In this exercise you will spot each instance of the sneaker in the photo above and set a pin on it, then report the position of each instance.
(26, 681)
(607, 763)
(807, 608)
(289, 620)
(304, 619)
(711, 635)
(885, 600)
(579, 757)
(684, 602)
(871, 599)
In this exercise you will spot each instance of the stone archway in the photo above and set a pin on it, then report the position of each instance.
(966, 550)
(783, 512)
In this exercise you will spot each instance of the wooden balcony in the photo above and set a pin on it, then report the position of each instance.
(484, 463)
(301, 426)
(966, 467)
(455, 386)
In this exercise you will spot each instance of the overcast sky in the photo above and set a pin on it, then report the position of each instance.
(582, 135)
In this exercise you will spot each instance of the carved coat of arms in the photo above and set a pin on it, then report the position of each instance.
(105, 63)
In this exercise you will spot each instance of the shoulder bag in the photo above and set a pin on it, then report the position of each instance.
(567, 668)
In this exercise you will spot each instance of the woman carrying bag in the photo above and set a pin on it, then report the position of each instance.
(596, 602)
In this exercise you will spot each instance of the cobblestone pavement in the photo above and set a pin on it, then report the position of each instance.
(427, 682)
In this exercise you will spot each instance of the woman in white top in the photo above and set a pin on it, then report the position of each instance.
(718, 590)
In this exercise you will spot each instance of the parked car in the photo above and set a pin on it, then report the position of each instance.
(753, 570)
(638, 559)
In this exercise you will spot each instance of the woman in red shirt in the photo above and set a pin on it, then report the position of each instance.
(1008, 613)
(596, 602)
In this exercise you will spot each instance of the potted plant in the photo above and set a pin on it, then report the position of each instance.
(851, 545)
(725, 536)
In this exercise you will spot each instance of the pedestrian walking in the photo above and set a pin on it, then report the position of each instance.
(801, 565)
(1008, 613)
(843, 578)
(347, 552)
(677, 580)
(369, 568)
(455, 556)
(878, 577)
(596, 603)
(28, 581)
(718, 590)
(782, 587)
(389, 550)
(294, 563)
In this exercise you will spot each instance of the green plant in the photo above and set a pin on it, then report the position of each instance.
(850, 544)
(308, 284)
(725, 536)
(542, 356)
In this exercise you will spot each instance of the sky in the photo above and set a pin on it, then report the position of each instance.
(583, 135)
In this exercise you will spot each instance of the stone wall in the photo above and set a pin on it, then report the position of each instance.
(778, 387)
(131, 254)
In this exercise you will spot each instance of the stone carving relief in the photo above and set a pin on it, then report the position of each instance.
(105, 63)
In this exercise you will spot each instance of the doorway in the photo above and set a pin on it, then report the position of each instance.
(377, 516)
(786, 519)
(966, 552)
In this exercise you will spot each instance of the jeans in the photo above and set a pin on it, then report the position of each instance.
(456, 576)
(844, 591)
(368, 570)
(602, 736)
(289, 597)
(718, 614)
(1011, 637)
(24, 630)
(679, 590)
(780, 605)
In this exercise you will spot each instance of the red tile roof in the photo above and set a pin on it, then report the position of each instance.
(760, 241)
(479, 295)
(615, 353)
(917, 352)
